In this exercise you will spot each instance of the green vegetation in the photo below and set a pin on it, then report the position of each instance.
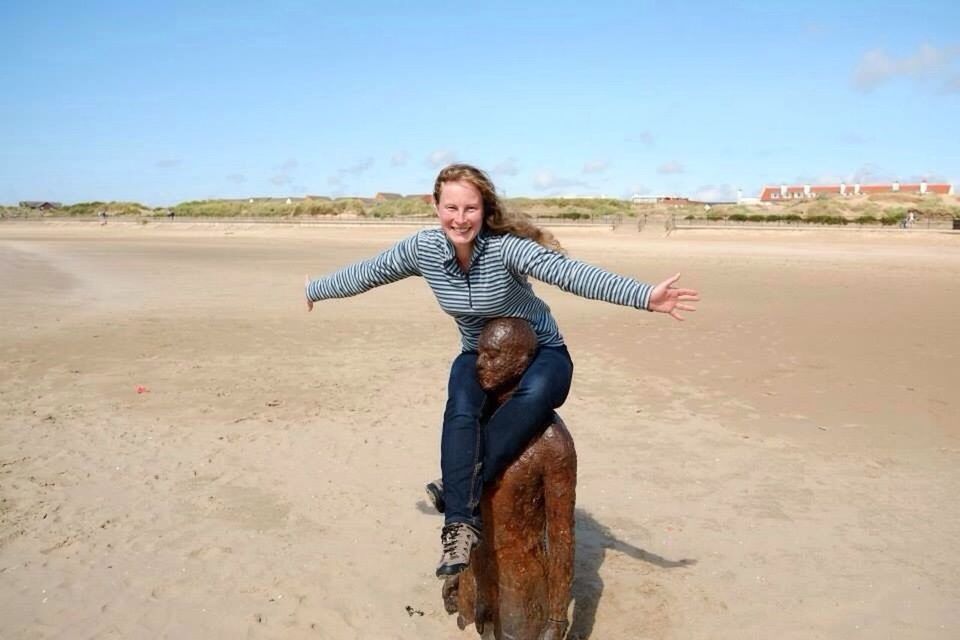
(884, 210)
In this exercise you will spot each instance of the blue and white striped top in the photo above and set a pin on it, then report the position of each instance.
(495, 284)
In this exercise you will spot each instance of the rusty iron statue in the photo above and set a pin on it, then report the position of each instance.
(520, 575)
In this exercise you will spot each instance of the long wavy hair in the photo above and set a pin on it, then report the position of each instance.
(496, 218)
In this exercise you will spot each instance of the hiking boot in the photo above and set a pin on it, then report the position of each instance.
(458, 540)
(435, 495)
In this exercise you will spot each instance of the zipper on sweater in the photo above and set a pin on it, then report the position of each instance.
(469, 291)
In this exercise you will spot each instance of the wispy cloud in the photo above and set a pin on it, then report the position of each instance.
(715, 193)
(546, 180)
(169, 163)
(356, 168)
(928, 63)
(929, 177)
(869, 173)
(287, 165)
(814, 29)
(951, 84)
(596, 166)
(852, 138)
(237, 178)
(671, 167)
(399, 159)
(823, 178)
(283, 172)
(644, 137)
(507, 167)
(441, 158)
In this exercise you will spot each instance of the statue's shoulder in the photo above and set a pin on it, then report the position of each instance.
(557, 438)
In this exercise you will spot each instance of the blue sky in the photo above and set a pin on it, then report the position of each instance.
(161, 102)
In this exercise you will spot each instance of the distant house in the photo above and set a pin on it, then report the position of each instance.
(424, 197)
(798, 192)
(661, 199)
(40, 204)
(381, 196)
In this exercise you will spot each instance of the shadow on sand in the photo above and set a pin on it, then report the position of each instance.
(593, 541)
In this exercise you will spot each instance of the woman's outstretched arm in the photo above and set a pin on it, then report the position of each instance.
(398, 262)
(526, 257)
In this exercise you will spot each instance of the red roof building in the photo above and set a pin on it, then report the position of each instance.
(796, 192)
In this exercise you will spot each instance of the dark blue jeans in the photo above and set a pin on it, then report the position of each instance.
(472, 454)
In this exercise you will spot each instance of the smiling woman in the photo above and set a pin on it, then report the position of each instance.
(477, 264)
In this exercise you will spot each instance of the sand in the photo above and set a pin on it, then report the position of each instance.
(783, 464)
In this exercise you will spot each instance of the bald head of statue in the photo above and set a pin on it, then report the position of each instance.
(506, 347)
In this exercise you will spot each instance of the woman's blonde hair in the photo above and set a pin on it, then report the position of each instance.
(495, 216)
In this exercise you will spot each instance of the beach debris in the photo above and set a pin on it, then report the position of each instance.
(142, 389)
(273, 403)
(411, 611)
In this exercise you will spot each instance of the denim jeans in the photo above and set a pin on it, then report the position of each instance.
(473, 454)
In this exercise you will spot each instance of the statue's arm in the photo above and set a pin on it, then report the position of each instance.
(560, 489)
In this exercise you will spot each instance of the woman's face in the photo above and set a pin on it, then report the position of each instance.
(460, 210)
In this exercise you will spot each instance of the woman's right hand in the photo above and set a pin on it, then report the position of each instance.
(306, 284)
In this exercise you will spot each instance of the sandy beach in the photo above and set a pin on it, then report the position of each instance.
(186, 453)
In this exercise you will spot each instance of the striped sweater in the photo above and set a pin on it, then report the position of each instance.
(495, 284)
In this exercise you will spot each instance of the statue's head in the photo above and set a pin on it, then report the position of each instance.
(506, 347)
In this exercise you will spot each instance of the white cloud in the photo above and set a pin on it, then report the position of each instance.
(876, 67)
(399, 159)
(671, 167)
(546, 180)
(595, 166)
(506, 168)
(441, 158)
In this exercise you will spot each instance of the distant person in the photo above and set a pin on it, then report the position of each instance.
(478, 264)
(103, 217)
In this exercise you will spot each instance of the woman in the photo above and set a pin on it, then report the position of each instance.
(477, 265)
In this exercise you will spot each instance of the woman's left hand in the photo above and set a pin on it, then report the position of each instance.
(667, 298)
